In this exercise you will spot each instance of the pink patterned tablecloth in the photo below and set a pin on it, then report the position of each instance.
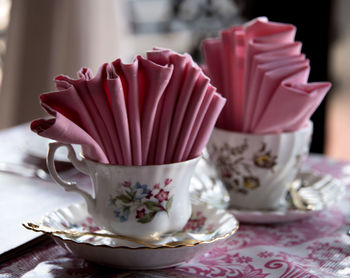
(318, 246)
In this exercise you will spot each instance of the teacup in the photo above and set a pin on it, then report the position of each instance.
(257, 169)
(137, 201)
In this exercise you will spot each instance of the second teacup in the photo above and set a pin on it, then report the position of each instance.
(136, 201)
(257, 169)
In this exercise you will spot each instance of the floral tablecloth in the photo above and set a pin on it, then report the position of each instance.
(318, 246)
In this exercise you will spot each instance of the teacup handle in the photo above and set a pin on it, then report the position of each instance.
(69, 186)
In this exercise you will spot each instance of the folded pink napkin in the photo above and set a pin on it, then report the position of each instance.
(301, 107)
(159, 109)
(251, 66)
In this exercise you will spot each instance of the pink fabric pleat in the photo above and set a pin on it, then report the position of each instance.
(257, 92)
(303, 101)
(156, 80)
(96, 121)
(148, 112)
(298, 72)
(131, 85)
(209, 94)
(118, 105)
(190, 117)
(192, 74)
(233, 75)
(214, 109)
(247, 64)
(171, 95)
(96, 87)
(63, 129)
(213, 55)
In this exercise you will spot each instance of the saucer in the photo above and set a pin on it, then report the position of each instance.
(72, 228)
(310, 194)
(313, 193)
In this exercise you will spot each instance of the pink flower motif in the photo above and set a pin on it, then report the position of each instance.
(167, 181)
(265, 254)
(210, 228)
(190, 225)
(89, 220)
(140, 213)
(162, 195)
(244, 259)
(156, 186)
(227, 259)
(89, 225)
(93, 229)
(201, 221)
(150, 195)
(250, 272)
(126, 184)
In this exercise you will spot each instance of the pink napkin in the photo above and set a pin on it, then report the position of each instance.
(128, 75)
(300, 95)
(251, 65)
(159, 109)
(61, 128)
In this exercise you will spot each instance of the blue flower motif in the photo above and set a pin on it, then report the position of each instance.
(141, 191)
(116, 213)
(122, 216)
(143, 187)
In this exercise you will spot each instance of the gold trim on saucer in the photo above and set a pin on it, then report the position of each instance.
(75, 234)
(176, 244)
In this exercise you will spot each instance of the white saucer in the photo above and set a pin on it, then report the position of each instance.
(282, 215)
(73, 229)
(318, 191)
(321, 191)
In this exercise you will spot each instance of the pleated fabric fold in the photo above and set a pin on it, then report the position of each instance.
(150, 111)
(248, 65)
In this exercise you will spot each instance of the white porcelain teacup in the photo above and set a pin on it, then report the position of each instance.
(257, 169)
(136, 201)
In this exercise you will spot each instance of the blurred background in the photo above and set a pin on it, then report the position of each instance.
(40, 39)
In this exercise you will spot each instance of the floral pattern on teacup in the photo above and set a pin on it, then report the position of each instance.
(264, 159)
(197, 223)
(236, 170)
(146, 201)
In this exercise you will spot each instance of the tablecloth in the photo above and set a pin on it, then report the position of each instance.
(318, 246)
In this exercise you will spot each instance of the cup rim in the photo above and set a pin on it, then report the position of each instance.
(188, 161)
(309, 125)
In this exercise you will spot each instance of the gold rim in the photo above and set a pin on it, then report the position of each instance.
(177, 244)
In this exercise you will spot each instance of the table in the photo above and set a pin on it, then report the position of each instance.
(318, 246)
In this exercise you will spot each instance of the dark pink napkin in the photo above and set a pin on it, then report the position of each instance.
(63, 129)
(248, 64)
(166, 110)
(207, 125)
(188, 85)
(159, 109)
(128, 74)
(119, 111)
